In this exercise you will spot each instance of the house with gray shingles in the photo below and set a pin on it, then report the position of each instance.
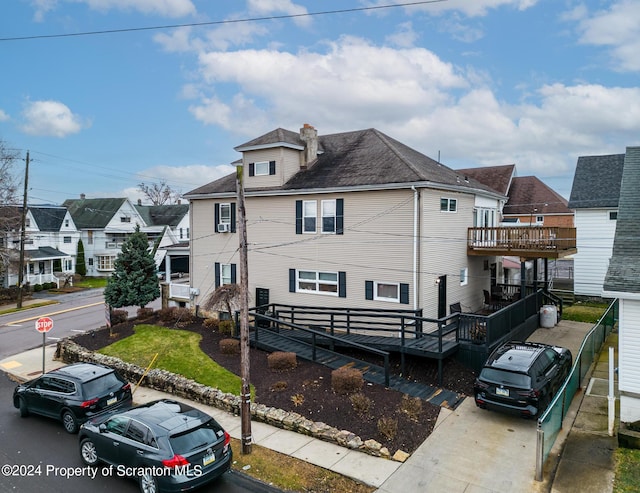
(595, 196)
(352, 219)
(623, 281)
(50, 245)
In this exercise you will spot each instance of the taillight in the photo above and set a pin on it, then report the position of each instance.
(227, 441)
(482, 385)
(126, 387)
(533, 394)
(175, 461)
(89, 403)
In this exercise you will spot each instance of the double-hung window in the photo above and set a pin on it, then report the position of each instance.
(224, 217)
(317, 282)
(329, 216)
(225, 213)
(309, 216)
(448, 205)
(224, 274)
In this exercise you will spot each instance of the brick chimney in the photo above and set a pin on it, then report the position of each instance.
(309, 135)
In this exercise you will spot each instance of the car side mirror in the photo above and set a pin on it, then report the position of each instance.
(102, 428)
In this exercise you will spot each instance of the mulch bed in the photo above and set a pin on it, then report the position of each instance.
(307, 390)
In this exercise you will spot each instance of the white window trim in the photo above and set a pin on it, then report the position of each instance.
(263, 166)
(384, 298)
(223, 278)
(317, 282)
(335, 215)
(449, 202)
(221, 218)
(464, 276)
(304, 216)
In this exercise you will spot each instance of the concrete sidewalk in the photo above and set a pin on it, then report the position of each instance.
(470, 450)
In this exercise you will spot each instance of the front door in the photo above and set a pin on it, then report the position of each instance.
(442, 296)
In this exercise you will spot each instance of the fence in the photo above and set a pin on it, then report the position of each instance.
(550, 423)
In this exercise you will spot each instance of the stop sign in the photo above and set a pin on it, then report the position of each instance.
(44, 324)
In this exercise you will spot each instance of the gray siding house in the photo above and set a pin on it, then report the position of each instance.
(353, 219)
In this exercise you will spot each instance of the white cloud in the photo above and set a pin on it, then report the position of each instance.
(616, 28)
(404, 37)
(471, 8)
(3, 116)
(167, 8)
(279, 7)
(51, 118)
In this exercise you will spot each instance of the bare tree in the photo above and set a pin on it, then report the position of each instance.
(10, 211)
(225, 297)
(159, 193)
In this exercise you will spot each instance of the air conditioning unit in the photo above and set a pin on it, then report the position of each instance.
(224, 228)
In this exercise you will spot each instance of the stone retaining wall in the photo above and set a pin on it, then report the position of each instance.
(164, 381)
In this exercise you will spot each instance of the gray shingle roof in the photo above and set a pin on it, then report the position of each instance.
(623, 274)
(93, 213)
(497, 177)
(596, 182)
(163, 215)
(48, 218)
(354, 159)
(529, 194)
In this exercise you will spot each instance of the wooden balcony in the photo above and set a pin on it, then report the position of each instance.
(526, 242)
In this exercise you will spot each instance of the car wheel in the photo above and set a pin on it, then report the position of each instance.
(148, 483)
(88, 452)
(69, 422)
(22, 406)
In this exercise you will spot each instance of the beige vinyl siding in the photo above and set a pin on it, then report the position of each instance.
(287, 164)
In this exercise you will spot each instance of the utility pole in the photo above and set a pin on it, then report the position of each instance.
(245, 392)
(23, 233)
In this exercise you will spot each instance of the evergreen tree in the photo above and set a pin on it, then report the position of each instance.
(134, 281)
(81, 266)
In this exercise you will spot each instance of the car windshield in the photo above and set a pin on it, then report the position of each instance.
(101, 385)
(505, 377)
(205, 435)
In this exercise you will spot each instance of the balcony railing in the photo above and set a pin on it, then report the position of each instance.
(536, 241)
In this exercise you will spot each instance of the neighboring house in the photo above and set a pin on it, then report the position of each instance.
(623, 281)
(354, 219)
(595, 196)
(169, 222)
(49, 246)
(531, 203)
(104, 224)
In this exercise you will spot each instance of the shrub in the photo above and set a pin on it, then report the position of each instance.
(361, 404)
(281, 360)
(37, 287)
(226, 327)
(167, 314)
(411, 406)
(279, 386)
(297, 399)
(229, 346)
(119, 317)
(388, 427)
(145, 312)
(211, 323)
(346, 380)
(184, 315)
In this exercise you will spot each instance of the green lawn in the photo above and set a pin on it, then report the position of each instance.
(92, 282)
(627, 479)
(178, 352)
(584, 312)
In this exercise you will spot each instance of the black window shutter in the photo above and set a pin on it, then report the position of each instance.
(368, 290)
(233, 217)
(298, 217)
(233, 273)
(342, 284)
(217, 269)
(339, 216)
(292, 280)
(216, 217)
(272, 167)
(252, 169)
(404, 293)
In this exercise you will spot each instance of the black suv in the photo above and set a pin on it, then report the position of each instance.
(165, 445)
(522, 377)
(73, 394)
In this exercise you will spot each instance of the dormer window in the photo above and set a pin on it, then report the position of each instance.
(262, 168)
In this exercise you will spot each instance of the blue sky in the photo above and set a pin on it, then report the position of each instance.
(537, 83)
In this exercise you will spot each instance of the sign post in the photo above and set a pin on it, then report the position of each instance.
(44, 325)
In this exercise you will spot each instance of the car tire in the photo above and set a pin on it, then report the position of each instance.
(69, 422)
(148, 483)
(88, 452)
(22, 406)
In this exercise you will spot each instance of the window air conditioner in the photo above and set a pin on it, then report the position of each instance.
(223, 228)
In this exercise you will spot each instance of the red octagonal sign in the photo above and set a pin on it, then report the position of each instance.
(44, 324)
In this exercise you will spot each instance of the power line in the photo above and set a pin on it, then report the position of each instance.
(213, 23)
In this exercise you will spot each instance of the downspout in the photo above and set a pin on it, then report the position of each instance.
(415, 246)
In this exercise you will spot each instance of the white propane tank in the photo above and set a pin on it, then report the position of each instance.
(548, 316)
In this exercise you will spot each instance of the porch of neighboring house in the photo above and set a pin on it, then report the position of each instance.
(44, 265)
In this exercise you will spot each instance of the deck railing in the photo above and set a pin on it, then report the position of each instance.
(521, 239)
